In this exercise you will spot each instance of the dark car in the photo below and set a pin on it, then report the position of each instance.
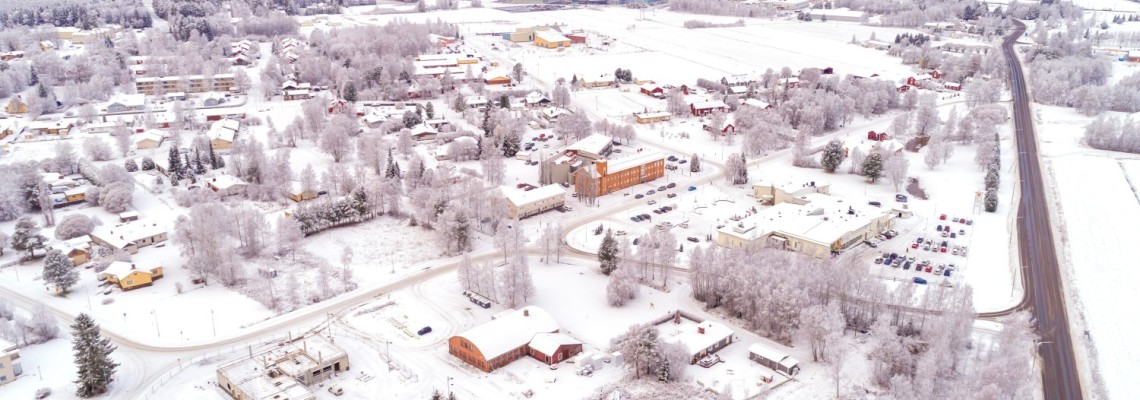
(639, 195)
(661, 189)
(886, 261)
(671, 185)
(682, 161)
(692, 188)
(693, 239)
(672, 158)
(635, 218)
(906, 265)
(919, 281)
(901, 198)
(671, 195)
(875, 203)
(651, 192)
(423, 331)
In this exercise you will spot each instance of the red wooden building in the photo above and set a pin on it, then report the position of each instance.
(702, 108)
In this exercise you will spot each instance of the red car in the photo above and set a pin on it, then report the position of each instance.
(914, 245)
(928, 269)
(521, 185)
(943, 217)
(943, 249)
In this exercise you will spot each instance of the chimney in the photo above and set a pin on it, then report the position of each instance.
(526, 312)
(701, 330)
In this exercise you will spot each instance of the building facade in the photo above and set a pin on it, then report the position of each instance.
(612, 175)
(10, 366)
(187, 84)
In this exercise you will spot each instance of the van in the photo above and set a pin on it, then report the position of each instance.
(336, 389)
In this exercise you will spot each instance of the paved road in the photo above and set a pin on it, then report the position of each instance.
(1042, 276)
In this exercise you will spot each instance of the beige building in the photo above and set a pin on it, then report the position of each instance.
(523, 203)
(283, 370)
(9, 362)
(185, 84)
(129, 237)
(820, 226)
(773, 193)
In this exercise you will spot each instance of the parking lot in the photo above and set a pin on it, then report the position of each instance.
(921, 250)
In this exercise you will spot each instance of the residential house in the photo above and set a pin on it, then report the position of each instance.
(536, 99)
(75, 195)
(698, 338)
(702, 108)
(61, 127)
(552, 113)
(77, 249)
(423, 132)
(11, 55)
(653, 89)
(597, 81)
(955, 86)
(127, 103)
(149, 140)
(651, 117)
(726, 127)
(338, 105)
(130, 275)
(283, 370)
(128, 216)
(763, 105)
(299, 193)
(7, 127)
(222, 133)
(476, 102)
(129, 237)
(10, 366)
(552, 348)
(297, 94)
(16, 105)
(226, 185)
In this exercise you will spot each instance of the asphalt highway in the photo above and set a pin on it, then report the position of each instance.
(1041, 271)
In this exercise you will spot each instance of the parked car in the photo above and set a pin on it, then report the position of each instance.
(871, 244)
(919, 281)
(886, 261)
(651, 192)
(906, 265)
(961, 232)
(671, 195)
(692, 188)
(942, 217)
(875, 203)
(914, 245)
(901, 198)
(639, 195)
(682, 161)
(938, 228)
(693, 239)
(661, 189)
(652, 202)
(635, 218)
(671, 185)
(953, 235)
(423, 331)
(336, 390)
(946, 272)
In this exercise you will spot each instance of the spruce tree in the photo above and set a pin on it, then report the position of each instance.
(487, 121)
(349, 92)
(26, 236)
(695, 164)
(393, 170)
(607, 253)
(460, 103)
(992, 177)
(198, 167)
(991, 200)
(511, 145)
(873, 166)
(59, 271)
(92, 357)
(174, 164)
(429, 110)
(214, 159)
(504, 101)
(832, 156)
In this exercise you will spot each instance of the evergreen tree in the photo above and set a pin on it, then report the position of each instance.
(59, 271)
(873, 166)
(695, 164)
(198, 167)
(607, 253)
(832, 155)
(33, 77)
(460, 103)
(147, 164)
(26, 236)
(487, 121)
(991, 200)
(92, 357)
(174, 164)
(349, 92)
(42, 91)
(131, 165)
(215, 160)
(992, 177)
(429, 110)
(511, 145)
(504, 101)
(393, 169)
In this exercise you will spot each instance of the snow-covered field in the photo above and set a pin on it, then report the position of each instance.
(1096, 192)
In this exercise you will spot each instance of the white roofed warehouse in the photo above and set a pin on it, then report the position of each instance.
(525, 203)
(282, 370)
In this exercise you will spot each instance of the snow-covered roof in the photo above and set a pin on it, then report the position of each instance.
(75, 191)
(6, 346)
(123, 235)
(548, 343)
(596, 143)
(128, 100)
(771, 353)
(81, 242)
(120, 269)
(520, 197)
(535, 97)
(553, 112)
(223, 182)
(757, 103)
(423, 129)
(150, 135)
(510, 331)
(694, 337)
(550, 36)
(476, 100)
(633, 161)
(709, 104)
(650, 86)
(224, 130)
(658, 114)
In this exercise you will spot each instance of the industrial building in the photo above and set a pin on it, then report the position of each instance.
(815, 224)
(283, 370)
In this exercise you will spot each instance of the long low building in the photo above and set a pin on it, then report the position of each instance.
(816, 224)
(524, 203)
(774, 359)
(129, 237)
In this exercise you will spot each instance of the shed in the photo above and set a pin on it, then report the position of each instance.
(774, 359)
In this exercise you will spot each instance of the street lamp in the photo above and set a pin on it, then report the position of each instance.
(212, 323)
(387, 354)
(155, 315)
(449, 379)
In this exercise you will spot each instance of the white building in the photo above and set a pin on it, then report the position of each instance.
(226, 185)
(699, 339)
(523, 203)
(595, 147)
(126, 102)
(822, 224)
(129, 237)
(282, 370)
(774, 359)
(10, 366)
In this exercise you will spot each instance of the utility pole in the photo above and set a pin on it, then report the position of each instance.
(212, 323)
(155, 315)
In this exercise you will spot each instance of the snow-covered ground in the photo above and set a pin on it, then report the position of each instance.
(1098, 204)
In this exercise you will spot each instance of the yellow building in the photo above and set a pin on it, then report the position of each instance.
(16, 106)
(129, 276)
(10, 367)
(648, 118)
(550, 40)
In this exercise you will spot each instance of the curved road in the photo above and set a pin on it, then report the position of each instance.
(1042, 277)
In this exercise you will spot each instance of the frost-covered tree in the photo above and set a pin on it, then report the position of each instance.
(26, 236)
(73, 226)
(65, 161)
(96, 149)
(573, 126)
(130, 165)
(873, 166)
(822, 326)
(991, 200)
(93, 362)
(289, 236)
(116, 197)
(832, 155)
(560, 97)
(623, 285)
(895, 168)
(59, 271)
(675, 101)
(694, 164)
(737, 169)
(335, 137)
(856, 164)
